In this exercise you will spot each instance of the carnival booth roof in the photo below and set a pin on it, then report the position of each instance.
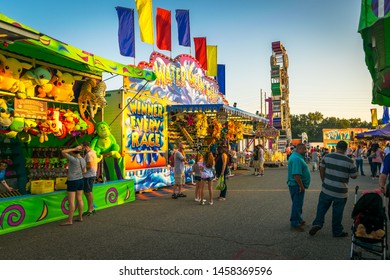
(20, 39)
(382, 133)
(214, 108)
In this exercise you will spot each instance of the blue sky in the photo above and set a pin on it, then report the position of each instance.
(327, 69)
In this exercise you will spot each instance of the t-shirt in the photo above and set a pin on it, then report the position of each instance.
(179, 163)
(298, 166)
(338, 169)
(2, 174)
(196, 169)
(207, 171)
(92, 159)
(75, 167)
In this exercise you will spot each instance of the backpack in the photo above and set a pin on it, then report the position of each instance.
(171, 160)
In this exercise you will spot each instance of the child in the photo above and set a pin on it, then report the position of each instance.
(3, 167)
(207, 176)
(197, 175)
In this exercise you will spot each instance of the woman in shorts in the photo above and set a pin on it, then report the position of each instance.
(207, 176)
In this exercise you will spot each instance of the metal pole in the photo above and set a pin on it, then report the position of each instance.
(261, 102)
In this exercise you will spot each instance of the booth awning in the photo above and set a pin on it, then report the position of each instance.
(22, 40)
(214, 108)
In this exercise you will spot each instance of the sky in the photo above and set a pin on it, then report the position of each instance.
(327, 72)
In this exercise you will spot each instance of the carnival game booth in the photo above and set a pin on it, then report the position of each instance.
(331, 136)
(182, 105)
(51, 97)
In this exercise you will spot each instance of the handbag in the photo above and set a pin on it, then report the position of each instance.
(220, 183)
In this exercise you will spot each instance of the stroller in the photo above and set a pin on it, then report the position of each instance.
(369, 228)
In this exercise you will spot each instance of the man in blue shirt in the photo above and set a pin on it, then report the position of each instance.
(298, 180)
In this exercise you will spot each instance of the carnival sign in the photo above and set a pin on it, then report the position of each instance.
(181, 80)
(30, 109)
(269, 132)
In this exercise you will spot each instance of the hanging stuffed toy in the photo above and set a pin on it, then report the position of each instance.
(63, 87)
(217, 129)
(10, 71)
(201, 125)
(104, 143)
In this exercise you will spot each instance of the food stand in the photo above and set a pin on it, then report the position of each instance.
(52, 96)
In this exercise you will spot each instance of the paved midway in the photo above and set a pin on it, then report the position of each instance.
(252, 224)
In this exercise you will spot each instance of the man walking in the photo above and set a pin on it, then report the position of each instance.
(298, 180)
(335, 171)
(90, 176)
(261, 160)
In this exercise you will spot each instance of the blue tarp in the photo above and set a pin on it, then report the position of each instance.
(382, 133)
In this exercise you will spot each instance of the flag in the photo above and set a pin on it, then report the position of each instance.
(126, 31)
(163, 29)
(201, 51)
(183, 27)
(374, 118)
(221, 78)
(145, 20)
(374, 27)
(212, 61)
(385, 118)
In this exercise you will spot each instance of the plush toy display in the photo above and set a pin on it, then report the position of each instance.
(104, 143)
(5, 120)
(231, 130)
(38, 77)
(217, 129)
(63, 87)
(92, 95)
(201, 125)
(10, 71)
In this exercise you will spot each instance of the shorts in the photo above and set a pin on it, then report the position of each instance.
(261, 163)
(75, 185)
(197, 178)
(179, 179)
(256, 164)
(88, 184)
(207, 179)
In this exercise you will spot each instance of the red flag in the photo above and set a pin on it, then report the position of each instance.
(201, 51)
(163, 29)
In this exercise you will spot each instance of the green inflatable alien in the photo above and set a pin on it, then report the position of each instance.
(104, 143)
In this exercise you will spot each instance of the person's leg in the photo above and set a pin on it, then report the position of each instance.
(337, 215)
(201, 192)
(80, 203)
(295, 217)
(324, 202)
(210, 185)
(71, 201)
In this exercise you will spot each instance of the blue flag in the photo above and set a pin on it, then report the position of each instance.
(183, 27)
(221, 78)
(385, 118)
(126, 31)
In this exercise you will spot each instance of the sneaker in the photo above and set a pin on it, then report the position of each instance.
(298, 228)
(314, 230)
(343, 234)
(221, 198)
(259, 175)
(181, 195)
(174, 196)
(197, 199)
(202, 203)
(211, 202)
(87, 213)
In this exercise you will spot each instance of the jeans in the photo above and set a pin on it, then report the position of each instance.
(359, 164)
(297, 205)
(324, 202)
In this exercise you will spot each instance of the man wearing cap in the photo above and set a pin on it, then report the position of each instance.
(90, 176)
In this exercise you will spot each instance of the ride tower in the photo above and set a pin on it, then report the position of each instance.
(280, 115)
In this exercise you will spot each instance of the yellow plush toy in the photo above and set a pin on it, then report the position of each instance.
(231, 130)
(375, 234)
(217, 129)
(201, 125)
(63, 88)
(10, 71)
(38, 77)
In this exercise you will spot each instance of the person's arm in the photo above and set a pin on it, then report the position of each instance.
(322, 173)
(224, 162)
(66, 152)
(298, 179)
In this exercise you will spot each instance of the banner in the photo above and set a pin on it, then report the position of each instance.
(212, 60)
(201, 51)
(183, 27)
(145, 20)
(126, 31)
(385, 117)
(163, 29)
(221, 78)
(374, 117)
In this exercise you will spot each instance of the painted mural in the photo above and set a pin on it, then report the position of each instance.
(181, 80)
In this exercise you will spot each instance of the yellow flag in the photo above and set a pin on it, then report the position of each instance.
(145, 20)
(212, 61)
(374, 117)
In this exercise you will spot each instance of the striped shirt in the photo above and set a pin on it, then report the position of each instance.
(338, 169)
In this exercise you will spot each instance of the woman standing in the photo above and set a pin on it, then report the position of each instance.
(221, 169)
(76, 169)
(207, 177)
(197, 175)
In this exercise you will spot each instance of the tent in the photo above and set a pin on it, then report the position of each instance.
(374, 27)
(382, 133)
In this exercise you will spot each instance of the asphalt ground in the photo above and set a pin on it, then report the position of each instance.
(252, 224)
